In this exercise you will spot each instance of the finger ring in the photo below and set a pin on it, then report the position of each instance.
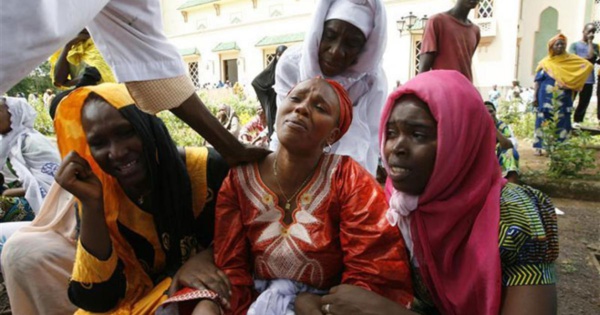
(326, 308)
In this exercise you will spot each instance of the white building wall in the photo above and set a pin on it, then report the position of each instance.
(498, 60)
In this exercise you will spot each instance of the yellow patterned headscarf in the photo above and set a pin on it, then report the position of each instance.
(569, 70)
(71, 136)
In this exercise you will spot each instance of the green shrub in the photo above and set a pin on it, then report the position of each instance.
(571, 156)
(43, 123)
(181, 133)
(522, 124)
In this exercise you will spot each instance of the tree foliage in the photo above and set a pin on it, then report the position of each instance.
(36, 82)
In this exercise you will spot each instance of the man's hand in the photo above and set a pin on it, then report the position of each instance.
(249, 154)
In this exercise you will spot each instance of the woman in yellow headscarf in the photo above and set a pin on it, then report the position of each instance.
(145, 206)
(559, 73)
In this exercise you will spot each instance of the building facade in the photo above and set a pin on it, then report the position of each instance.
(234, 40)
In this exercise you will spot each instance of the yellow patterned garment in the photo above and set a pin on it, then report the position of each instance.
(134, 278)
(81, 55)
(528, 243)
(569, 70)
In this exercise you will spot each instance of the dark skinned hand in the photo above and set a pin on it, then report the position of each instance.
(349, 299)
(200, 272)
(75, 176)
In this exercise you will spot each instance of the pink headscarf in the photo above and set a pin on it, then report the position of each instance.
(455, 224)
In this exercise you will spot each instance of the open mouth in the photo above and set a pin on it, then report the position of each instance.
(128, 168)
(398, 173)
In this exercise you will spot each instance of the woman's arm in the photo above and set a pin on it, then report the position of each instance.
(375, 257)
(14, 192)
(505, 143)
(232, 251)
(97, 282)
(529, 300)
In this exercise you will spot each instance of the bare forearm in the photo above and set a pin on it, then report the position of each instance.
(505, 143)
(94, 232)
(14, 192)
(194, 113)
(61, 68)
(426, 62)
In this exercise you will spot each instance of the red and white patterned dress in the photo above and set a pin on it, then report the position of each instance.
(339, 234)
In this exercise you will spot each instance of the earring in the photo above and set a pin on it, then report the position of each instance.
(328, 148)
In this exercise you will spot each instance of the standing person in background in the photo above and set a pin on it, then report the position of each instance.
(450, 40)
(263, 86)
(131, 39)
(48, 97)
(558, 75)
(494, 95)
(586, 49)
(67, 65)
(229, 119)
(344, 42)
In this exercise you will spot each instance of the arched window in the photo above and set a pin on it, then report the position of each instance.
(548, 28)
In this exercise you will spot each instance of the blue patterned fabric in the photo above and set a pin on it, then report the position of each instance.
(545, 110)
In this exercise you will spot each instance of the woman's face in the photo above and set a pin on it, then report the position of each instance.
(341, 44)
(308, 116)
(558, 48)
(114, 144)
(411, 145)
(4, 118)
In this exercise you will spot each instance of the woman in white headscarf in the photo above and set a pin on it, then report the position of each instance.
(345, 42)
(25, 154)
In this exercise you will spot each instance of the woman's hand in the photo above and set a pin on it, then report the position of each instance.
(200, 272)
(75, 176)
(308, 304)
(207, 307)
(349, 299)
(14, 192)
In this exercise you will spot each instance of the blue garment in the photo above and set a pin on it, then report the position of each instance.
(508, 158)
(581, 49)
(545, 109)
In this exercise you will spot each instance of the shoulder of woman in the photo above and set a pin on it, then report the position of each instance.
(528, 225)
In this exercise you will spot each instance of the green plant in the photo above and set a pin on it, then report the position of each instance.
(36, 82)
(181, 133)
(43, 123)
(569, 156)
(522, 124)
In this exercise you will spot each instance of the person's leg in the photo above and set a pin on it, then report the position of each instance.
(584, 101)
(539, 120)
(31, 30)
(36, 268)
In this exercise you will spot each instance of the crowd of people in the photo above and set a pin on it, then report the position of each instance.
(126, 222)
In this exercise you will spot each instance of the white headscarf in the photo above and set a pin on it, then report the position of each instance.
(36, 170)
(365, 81)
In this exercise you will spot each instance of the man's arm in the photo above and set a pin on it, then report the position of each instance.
(426, 61)
(194, 113)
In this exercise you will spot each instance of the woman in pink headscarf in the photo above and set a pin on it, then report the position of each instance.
(477, 244)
